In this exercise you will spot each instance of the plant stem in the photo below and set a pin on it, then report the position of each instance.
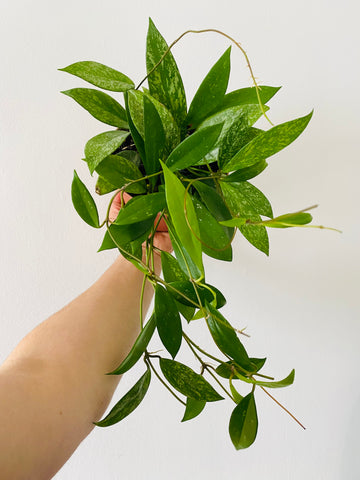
(282, 406)
(201, 350)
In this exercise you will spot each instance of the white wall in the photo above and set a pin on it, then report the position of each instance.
(300, 306)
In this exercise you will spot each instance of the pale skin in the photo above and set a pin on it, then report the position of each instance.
(53, 384)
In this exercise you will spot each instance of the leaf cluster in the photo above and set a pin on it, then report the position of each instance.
(192, 166)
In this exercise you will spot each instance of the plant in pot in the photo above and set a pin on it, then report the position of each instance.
(190, 168)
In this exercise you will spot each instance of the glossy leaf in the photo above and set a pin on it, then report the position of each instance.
(128, 403)
(170, 127)
(225, 337)
(186, 287)
(83, 202)
(243, 199)
(193, 408)
(285, 382)
(165, 83)
(187, 382)
(256, 234)
(267, 144)
(235, 222)
(248, 95)
(154, 140)
(125, 234)
(135, 134)
(244, 423)
(246, 173)
(234, 139)
(102, 145)
(235, 393)
(141, 208)
(228, 369)
(118, 171)
(167, 320)
(100, 105)
(175, 194)
(289, 220)
(103, 186)
(194, 148)
(214, 236)
(173, 272)
(211, 92)
(182, 256)
(100, 75)
(138, 348)
(244, 116)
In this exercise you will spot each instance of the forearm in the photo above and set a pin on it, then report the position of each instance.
(69, 353)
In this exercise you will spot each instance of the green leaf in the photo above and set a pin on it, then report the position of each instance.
(234, 222)
(225, 337)
(244, 116)
(167, 320)
(83, 202)
(236, 137)
(135, 134)
(128, 403)
(100, 105)
(175, 194)
(246, 173)
(243, 199)
(125, 234)
(228, 369)
(141, 208)
(187, 382)
(267, 143)
(118, 171)
(285, 382)
(172, 272)
(289, 220)
(193, 408)
(244, 423)
(214, 237)
(194, 148)
(206, 293)
(211, 92)
(154, 140)
(136, 108)
(235, 393)
(248, 95)
(183, 257)
(165, 83)
(102, 145)
(100, 75)
(138, 348)
(103, 186)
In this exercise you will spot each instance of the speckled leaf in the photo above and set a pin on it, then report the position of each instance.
(138, 348)
(175, 194)
(187, 382)
(103, 187)
(193, 408)
(128, 403)
(243, 199)
(168, 320)
(102, 145)
(100, 75)
(141, 208)
(83, 202)
(211, 92)
(135, 135)
(194, 148)
(118, 171)
(165, 83)
(244, 423)
(225, 337)
(100, 105)
(268, 143)
(236, 136)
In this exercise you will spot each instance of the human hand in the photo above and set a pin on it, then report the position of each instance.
(161, 237)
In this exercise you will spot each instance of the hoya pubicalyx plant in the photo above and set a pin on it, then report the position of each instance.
(191, 166)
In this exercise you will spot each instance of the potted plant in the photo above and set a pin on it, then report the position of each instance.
(190, 167)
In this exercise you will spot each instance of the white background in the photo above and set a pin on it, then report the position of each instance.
(300, 305)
